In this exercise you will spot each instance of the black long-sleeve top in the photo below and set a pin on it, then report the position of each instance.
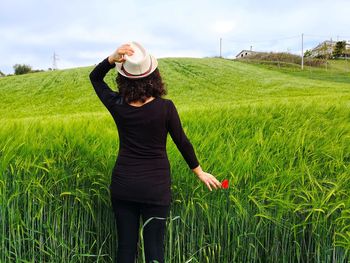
(142, 169)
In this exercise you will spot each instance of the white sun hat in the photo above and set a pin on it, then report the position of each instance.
(139, 65)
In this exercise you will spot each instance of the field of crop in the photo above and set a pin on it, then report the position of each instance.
(281, 136)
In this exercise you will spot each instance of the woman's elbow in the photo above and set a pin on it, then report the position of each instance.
(92, 76)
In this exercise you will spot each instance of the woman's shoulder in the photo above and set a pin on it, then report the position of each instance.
(167, 102)
(168, 106)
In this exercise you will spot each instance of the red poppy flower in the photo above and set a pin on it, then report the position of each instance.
(224, 184)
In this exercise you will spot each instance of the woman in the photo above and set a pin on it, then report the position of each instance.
(140, 184)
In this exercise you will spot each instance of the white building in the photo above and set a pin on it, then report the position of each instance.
(326, 48)
(246, 53)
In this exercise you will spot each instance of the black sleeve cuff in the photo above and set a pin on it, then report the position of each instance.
(195, 165)
(106, 64)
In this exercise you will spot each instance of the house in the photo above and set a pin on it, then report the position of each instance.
(246, 53)
(326, 48)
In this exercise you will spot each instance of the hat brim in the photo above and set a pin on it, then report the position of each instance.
(118, 67)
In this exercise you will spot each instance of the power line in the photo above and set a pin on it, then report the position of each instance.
(319, 36)
(326, 37)
(307, 38)
(239, 39)
(260, 41)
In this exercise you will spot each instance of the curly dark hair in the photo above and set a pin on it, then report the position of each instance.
(141, 89)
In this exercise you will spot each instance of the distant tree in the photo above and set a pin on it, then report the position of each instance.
(307, 53)
(324, 52)
(22, 69)
(339, 49)
(36, 70)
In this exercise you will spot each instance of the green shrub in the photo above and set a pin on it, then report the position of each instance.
(283, 57)
(22, 69)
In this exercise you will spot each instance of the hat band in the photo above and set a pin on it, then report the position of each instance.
(137, 75)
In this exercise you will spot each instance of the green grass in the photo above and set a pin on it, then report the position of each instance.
(333, 70)
(281, 136)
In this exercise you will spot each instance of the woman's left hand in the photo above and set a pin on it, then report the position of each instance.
(208, 179)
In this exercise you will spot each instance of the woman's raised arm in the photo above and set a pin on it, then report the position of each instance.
(102, 90)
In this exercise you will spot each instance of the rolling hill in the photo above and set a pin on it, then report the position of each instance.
(280, 135)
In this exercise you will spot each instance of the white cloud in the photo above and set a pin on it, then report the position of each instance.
(223, 27)
(180, 53)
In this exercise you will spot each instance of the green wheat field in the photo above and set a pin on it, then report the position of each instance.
(280, 135)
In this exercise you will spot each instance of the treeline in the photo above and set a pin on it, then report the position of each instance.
(20, 69)
(282, 57)
(340, 50)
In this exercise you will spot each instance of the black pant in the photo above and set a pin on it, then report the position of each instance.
(127, 215)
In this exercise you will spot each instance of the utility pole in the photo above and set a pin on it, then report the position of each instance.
(302, 51)
(220, 47)
(54, 61)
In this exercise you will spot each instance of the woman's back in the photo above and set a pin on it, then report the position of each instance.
(142, 130)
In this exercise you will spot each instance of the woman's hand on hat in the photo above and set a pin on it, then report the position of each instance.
(208, 179)
(118, 55)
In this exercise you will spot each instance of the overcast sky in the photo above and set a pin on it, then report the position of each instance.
(84, 32)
